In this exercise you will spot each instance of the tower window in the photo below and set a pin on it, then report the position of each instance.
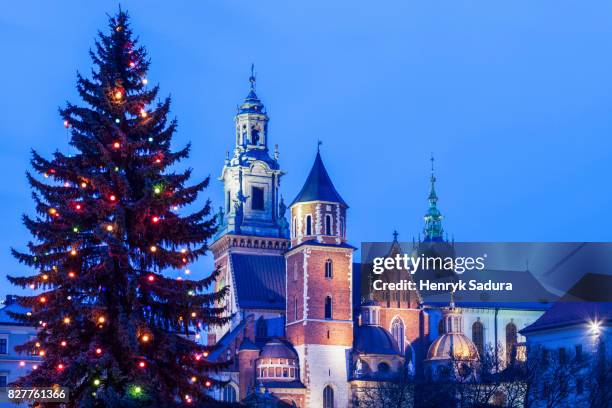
(257, 198)
(295, 271)
(328, 397)
(328, 307)
(229, 201)
(329, 269)
(294, 232)
(295, 308)
(328, 224)
(308, 225)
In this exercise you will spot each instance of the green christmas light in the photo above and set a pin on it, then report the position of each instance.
(96, 382)
(157, 189)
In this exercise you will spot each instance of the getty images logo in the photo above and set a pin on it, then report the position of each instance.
(411, 264)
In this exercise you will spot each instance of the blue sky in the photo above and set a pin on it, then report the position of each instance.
(513, 97)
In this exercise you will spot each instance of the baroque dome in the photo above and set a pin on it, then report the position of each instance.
(276, 348)
(375, 340)
(457, 345)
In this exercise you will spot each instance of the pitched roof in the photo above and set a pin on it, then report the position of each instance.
(588, 300)
(318, 186)
(259, 281)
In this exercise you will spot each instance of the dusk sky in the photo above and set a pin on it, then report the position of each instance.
(514, 99)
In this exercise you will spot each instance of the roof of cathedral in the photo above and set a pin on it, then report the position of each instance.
(580, 305)
(318, 186)
(374, 340)
(528, 293)
(259, 280)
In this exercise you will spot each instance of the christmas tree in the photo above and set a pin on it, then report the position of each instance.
(112, 327)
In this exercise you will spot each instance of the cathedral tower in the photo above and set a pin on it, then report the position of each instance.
(251, 177)
(319, 307)
(252, 230)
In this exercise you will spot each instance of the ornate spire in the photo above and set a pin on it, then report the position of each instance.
(433, 197)
(433, 218)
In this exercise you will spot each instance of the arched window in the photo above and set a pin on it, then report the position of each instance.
(328, 224)
(328, 397)
(295, 309)
(511, 340)
(341, 227)
(228, 394)
(295, 271)
(383, 367)
(397, 330)
(328, 307)
(261, 328)
(294, 229)
(478, 337)
(329, 269)
(308, 225)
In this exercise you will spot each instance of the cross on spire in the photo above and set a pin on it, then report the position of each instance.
(252, 78)
(319, 143)
(395, 234)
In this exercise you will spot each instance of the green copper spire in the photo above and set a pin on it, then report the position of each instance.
(433, 218)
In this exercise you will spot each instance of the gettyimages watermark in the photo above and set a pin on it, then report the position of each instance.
(479, 272)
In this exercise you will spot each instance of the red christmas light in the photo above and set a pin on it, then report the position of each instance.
(116, 145)
(142, 364)
(98, 351)
(112, 197)
(60, 367)
(151, 278)
(66, 124)
(71, 274)
(155, 219)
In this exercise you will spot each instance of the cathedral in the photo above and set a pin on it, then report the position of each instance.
(301, 332)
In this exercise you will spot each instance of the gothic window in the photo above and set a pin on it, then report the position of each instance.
(257, 198)
(329, 269)
(295, 308)
(328, 397)
(478, 337)
(294, 232)
(511, 340)
(328, 224)
(308, 225)
(328, 307)
(229, 394)
(397, 330)
(261, 328)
